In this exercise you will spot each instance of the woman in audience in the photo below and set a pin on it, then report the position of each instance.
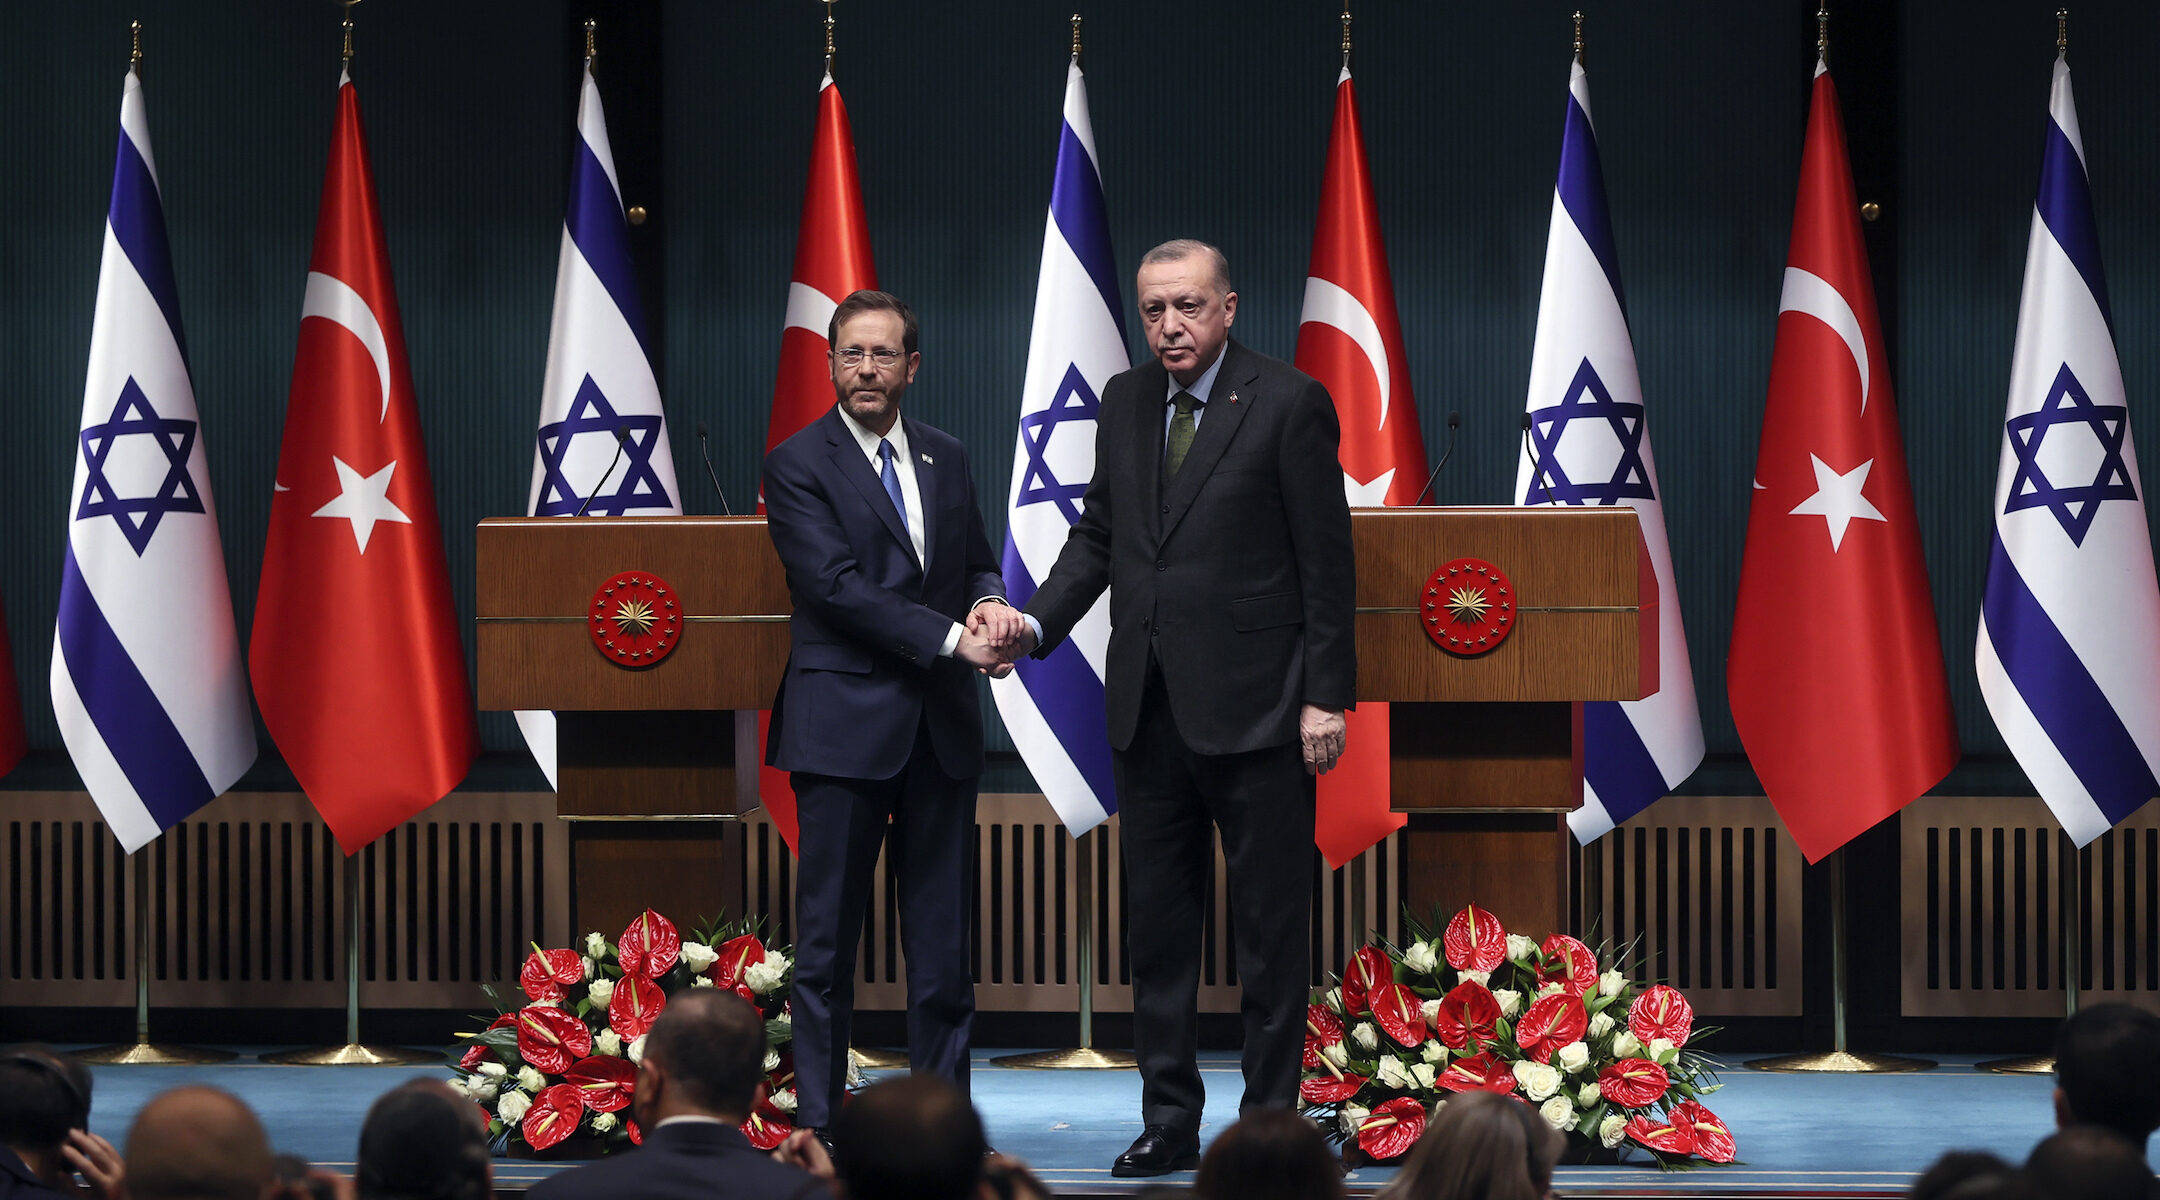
(1270, 1154)
(1481, 1146)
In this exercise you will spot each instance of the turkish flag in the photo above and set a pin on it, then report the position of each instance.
(355, 653)
(14, 743)
(1836, 669)
(832, 260)
(1350, 339)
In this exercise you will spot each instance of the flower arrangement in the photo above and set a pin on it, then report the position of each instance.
(561, 1058)
(1479, 1009)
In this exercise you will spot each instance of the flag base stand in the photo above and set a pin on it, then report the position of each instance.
(2032, 1064)
(1085, 1057)
(1841, 1062)
(146, 1053)
(352, 1054)
(879, 1060)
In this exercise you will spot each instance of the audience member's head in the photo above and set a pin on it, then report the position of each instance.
(914, 1138)
(2087, 1162)
(42, 1096)
(2106, 1057)
(423, 1141)
(197, 1143)
(1481, 1146)
(1966, 1175)
(1270, 1154)
(704, 1056)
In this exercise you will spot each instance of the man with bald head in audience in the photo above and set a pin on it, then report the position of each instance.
(702, 1073)
(198, 1143)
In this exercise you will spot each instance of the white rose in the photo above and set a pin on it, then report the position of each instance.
(1662, 1051)
(1420, 958)
(1626, 1046)
(1425, 1074)
(1520, 948)
(1612, 1130)
(511, 1108)
(1365, 1035)
(1573, 1057)
(1551, 989)
(1390, 1073)
(772, 1060)
(1433, 1051)
(787, 1015)
(1337, 1053)
(531, 1080)
(1351, 1117)
(1510, 1001)
(1538, 1081)
(609, 1042)
(1601, 1024)
(701, 981)
(784, 1100)
(492, 1069)
(698, 956)
(1480, 977)
(1332, 998)
(482, 1087)
(604, 1122)
(636, 1053)
(1590, 1094)
(600, 991)
(763, 977)
(591, 967)
(1431, 1009)
(1610, 983)
(1558, 1113)
(595, 946)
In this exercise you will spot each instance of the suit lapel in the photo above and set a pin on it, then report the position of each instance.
(1148, 440)
(929, 482)
(1226, 407)
(847, 458)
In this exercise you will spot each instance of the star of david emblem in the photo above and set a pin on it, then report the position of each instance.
(1613, 431)
(1074, 401)
(2075, 506)
(138, 516)
(590, 413)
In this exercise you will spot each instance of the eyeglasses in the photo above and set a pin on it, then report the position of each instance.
(853, 357)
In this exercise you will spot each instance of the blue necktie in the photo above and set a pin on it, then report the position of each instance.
(890, 477)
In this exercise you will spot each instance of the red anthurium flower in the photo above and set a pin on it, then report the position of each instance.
(549, 1039)
(476, 1054)
(1570, 964)
(1713, 1142)
(1475, 941)
(1665, 1139)
(636, 1003)
(1391, 1129)
(1368, 969)
(750, 997)
(767, 1126)
(1398, 1012)
(637, 1136)
(554, 1115)
(548, 972)
(1478, 1073)
(1633, 1082)
(1661, 1012)
(736, 955)
(1322, 1028)
(1330, 1087)
(649, 946)
(605, 1082)
(1550, 1023)
(1466, 1014)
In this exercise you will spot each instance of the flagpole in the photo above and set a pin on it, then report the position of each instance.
(2069, 873)
(1084, 1057)
(1840, 1060)
(353, 1053)
(142, 1051)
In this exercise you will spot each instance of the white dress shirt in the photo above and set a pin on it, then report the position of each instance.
(910, 494)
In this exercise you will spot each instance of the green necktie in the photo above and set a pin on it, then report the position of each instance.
(1181, 433)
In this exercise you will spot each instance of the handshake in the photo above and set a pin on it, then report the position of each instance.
(996, 635)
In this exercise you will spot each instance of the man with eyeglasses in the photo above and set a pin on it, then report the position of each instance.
(897, 602)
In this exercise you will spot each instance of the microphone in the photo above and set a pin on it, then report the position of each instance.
(725, 511)
(1454, 422)
(622, 438)
(1530, 447)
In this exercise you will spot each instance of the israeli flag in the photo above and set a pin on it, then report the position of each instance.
(1053, 706)
(147, 683)
(1591, 437)
(2070, 618)
(599, 377)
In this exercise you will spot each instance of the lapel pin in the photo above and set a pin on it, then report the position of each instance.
(1233, 397)
(926, 458)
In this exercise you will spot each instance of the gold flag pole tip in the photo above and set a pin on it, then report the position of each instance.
(1578, 37)
(347, 25)
(828, 38)
(591, 50)
(1076, 36)
(1345, 37)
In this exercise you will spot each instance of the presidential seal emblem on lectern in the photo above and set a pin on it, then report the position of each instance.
(634, 619)
(1468, 607)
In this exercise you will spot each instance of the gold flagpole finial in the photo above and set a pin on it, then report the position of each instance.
(135, 46)
(828, 38)
(592, 49)
(1346, 35)
(1822, 33)
(2062, 32)
(1076, 36)
(347, 25)
(1578, 38)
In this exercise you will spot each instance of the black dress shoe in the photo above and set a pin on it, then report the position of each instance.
(1158, 1150)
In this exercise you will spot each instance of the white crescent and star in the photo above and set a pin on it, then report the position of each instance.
(362, 499)
(1839, 497)
(1331, 305)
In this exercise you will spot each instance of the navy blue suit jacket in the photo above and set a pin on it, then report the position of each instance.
(688, 1161)
(863, 672)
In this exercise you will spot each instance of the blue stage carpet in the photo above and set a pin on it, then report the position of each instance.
(1845, 1135)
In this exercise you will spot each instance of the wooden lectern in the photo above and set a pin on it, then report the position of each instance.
(1486, 752)
(655, 764)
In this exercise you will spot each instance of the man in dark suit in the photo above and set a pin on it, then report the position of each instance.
(1217, 520)
(874, 518)
(702, 1072)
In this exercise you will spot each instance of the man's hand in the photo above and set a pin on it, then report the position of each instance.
(977, 652)
(98, 1163)
(998, 623)
(1324, 735)
(803, 1149)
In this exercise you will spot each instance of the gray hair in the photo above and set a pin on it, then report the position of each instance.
(1180, 249)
